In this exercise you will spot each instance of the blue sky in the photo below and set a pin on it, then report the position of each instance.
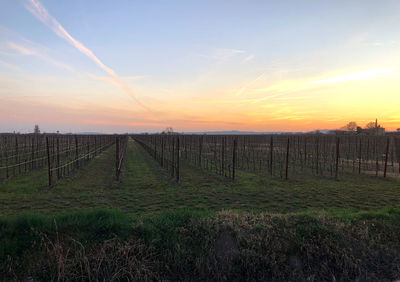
(185, 59)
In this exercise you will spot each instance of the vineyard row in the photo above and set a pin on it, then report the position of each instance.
(276, 155)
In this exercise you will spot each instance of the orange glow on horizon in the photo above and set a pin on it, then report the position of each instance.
(284, 105)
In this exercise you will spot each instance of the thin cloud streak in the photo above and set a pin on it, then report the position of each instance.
(248, 58)
(39, 11)
(28, 51)
(20, 49)
(360, 75)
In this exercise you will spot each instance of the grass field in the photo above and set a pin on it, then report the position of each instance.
(148, 227)
(146, 188)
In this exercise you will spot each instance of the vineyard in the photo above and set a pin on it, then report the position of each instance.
(267, 155)
(276, 155)
(61, 195)
(61, 155)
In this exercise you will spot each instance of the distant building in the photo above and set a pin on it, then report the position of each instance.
(376, 130)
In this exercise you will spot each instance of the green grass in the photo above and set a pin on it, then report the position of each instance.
(84, 189)
(183, 245)
(146, 188)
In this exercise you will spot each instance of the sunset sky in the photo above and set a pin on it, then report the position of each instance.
(134, 66)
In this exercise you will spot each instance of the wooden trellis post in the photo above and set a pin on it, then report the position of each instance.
(177, 160)
(58, 159)
(287, 159)
(76, 151)
(117, 158)
(48, 160)
(337, 157)
(200, 149)
(359, 157)
(271, 150)
(386, 156)
(234, 158)
(162, 151)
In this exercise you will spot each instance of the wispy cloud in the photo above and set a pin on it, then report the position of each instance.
(248, 84)
(39, 11)
(249, 58)
(359, 75)
(281, 88)
(26, 48)
(20, 49)
(222, 54)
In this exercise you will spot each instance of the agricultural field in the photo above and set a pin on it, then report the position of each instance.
(158, 186)
(201, 173)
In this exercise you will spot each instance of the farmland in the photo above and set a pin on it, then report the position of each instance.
(163, 183)
(145, 186)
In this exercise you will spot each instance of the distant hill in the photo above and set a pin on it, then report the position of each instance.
(238, 132)
(89, 133)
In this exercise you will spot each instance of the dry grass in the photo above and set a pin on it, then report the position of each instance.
(226, 246)
(112, 260)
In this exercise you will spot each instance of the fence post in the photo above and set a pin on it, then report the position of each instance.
(162, 151)
(172, 156)
(271, 155)
(117, 158)
(287, 158)
(386, 156)
(317, 156)
(155, 148)
(223, 156)
(17, 154)
(200, 149)
(48, 160)
(88, 148)
(33, 152)
(58, 159)
(6, 154)
(95, 145)
(337, 157)
(359, 157)
(177, 159)
(305, 152)
(76, 152)
(234, 158)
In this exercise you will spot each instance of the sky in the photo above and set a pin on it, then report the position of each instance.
(135, 66)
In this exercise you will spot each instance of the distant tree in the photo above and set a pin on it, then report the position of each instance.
(370, 125)
(398, 129)
(36, 130)
(168, 131)
(351, 126)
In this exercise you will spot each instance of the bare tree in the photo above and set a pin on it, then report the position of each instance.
(351, 126)
(370, 125)
(168, 131)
